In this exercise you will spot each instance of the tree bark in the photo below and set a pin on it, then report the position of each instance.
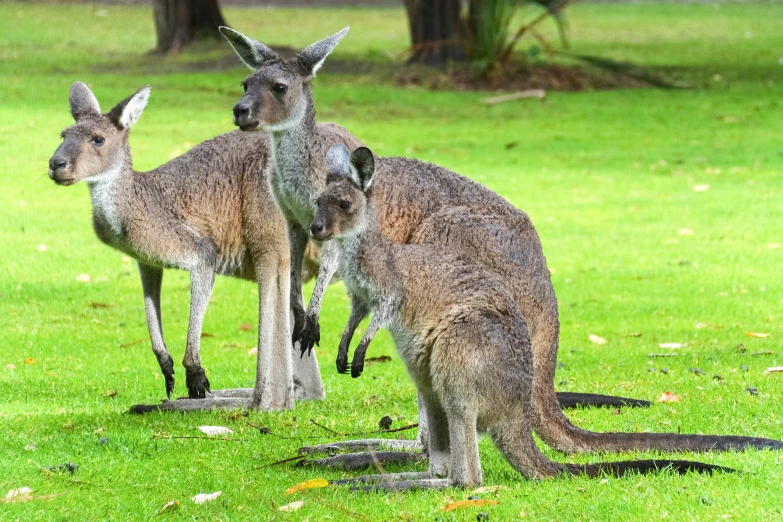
(436, 31)
(180, 22)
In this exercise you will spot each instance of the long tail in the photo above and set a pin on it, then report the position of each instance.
(619, 469)
(575, 400)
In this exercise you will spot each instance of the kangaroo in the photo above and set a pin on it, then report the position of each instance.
(424, 204)
(208, 212)
(463, 340)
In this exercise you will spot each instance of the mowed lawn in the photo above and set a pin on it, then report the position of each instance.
(660, 214)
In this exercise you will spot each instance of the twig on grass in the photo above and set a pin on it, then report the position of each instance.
(289, 459)
(359, 433)
(156, 436)
(267, 431)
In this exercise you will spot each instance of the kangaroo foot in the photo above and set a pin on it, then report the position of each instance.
(405, 485)
(352, 461)
(239, 398)
(167, 368)
(383, 477)
(197, 383)
(574, 400)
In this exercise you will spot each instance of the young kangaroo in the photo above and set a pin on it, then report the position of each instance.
(422, 203)
(463, 340)
(208, 212)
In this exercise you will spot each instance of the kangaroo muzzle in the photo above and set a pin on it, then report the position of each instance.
(243, 116)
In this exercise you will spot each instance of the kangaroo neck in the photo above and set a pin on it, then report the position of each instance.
(370, 256)
(297, 180)
(105, 193)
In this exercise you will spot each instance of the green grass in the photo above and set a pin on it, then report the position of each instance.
(607, 177)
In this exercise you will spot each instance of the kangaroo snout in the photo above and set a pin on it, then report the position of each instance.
(57, 166)
(57, 162)
(242, 116)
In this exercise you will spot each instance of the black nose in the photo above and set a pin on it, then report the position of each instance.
(241, 112)
(316, 228)
(57, 162)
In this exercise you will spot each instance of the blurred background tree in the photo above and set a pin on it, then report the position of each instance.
(181, 22)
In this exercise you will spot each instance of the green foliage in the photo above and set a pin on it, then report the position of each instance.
(607, 177)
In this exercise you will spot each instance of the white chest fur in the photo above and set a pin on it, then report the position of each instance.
(104, 194)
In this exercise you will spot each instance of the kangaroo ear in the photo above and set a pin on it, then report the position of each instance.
(312, 57)
(336, 160)
(362, 167)
(82, 101)
(250, 51)
(128, 111)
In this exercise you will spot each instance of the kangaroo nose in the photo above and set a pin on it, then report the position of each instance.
(316, 228)
(241, 112)
(57, 162)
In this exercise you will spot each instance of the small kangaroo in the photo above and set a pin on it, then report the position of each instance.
(208, 212)
(463, 340)
(421, 203)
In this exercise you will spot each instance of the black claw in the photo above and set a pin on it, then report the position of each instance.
(197, 383)
(356, 370)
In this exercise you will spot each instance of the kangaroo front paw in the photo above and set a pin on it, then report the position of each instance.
(311, 336)
(357, 366)
(167, 369)
(197, 383)
(342, 361)
(297, 312)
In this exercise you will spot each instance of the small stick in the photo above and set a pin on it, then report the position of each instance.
(661, 355)
(356, 434)
(193, 437)
(267, 431)
(289, 459)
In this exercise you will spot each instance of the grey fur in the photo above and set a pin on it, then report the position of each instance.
(208, 212)
(252, 52)
(312, 57)
(421, 203)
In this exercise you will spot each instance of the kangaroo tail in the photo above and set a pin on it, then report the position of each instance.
(619, 469)
(574, 400)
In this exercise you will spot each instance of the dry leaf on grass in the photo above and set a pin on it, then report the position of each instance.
(379, 359)
(83, 278)
(671, 346)
(206, 497)
(205, 335)
(244, 327)
(10, 366)
(774, 369)
(101, 305)
(462, 504)
(169, 506)
(30, 360)
(253, 351)
(701, 188)
(668, 397)
(211, 431)
(756, 334)
(488, 489)
(132, 343)
(308, 484)
(19, 492)
(293, 506)
(596, 339)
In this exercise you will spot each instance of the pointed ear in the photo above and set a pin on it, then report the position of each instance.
(362, 167)
(312, 57)
(250, 51)
(128, 111)
(82, 101)
(336, 160)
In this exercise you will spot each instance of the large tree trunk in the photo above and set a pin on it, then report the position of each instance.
(180, 22)
(436, 31)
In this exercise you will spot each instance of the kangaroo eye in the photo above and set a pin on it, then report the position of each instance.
(345, 205)
(280, 88)
(244, 86)
(97, 141)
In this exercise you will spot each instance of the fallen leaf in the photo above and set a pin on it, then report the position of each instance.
(244, 327)
(293, 506)
(756, 334)
(83, 278)
(30, 360)
(205, 335)
(110, 394)
(381, 359)
(42, 248)
(253, 351)
(672, 346)
(201, 498)
(308, 484)
(668, 397)
(30, 447)
(168, 506)
(211, 431)
(596, 339)
(462, 504)
(701, 188)
(10, 367)
(773, 369)
(488, 489)
(19, 492)
(100, 305)
(765, 352)
(634, 334)
(125, 345)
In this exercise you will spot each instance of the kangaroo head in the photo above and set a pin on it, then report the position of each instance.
(343, 205)
(277, 92)
(97, 144)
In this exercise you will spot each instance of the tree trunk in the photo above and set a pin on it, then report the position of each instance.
(180, 22)
(436, 31)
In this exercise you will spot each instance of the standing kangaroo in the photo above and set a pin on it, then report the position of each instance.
(463, 340)
(425, 204)
(208, 212)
